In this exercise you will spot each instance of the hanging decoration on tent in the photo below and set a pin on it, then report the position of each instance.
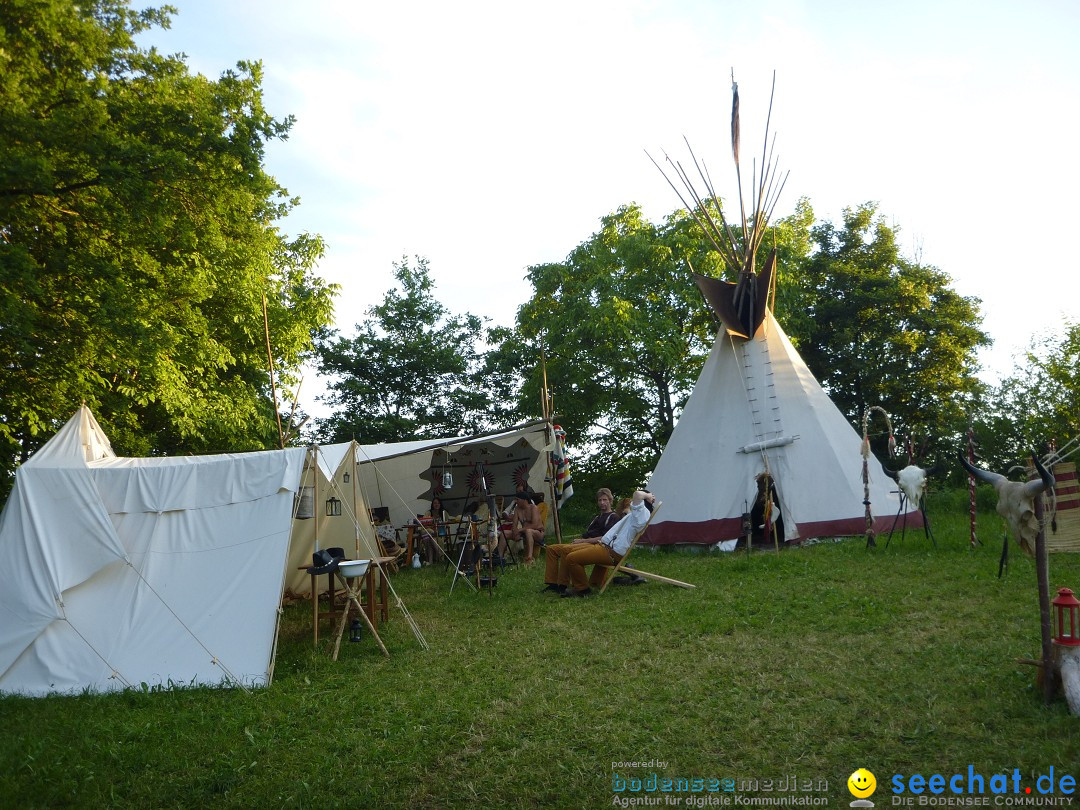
(304, 508)
(480, 479)
(505, 469)
(447, 476)
(520, 477)
(564, 486)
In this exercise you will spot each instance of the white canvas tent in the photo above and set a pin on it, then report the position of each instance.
(118, 572)
(333, 476)
(403, 476)
(757, 407)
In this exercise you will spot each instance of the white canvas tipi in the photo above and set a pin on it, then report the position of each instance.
(757, 408)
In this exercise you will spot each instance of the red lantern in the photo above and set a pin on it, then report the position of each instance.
(1067, 610)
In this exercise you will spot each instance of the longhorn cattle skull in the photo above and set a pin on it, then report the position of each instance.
(1016, 499)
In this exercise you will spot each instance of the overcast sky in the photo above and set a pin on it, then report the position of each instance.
(491, 136)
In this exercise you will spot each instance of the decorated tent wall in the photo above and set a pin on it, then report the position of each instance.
(404, 476)
(119, 572)
(757, 407)
(350, 529)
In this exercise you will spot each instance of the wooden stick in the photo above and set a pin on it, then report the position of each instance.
(360, 609)
(341, 629)
(657, 577)
(273, 384)
(1042, 570)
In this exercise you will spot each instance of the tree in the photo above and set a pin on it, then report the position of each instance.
(625, 332)
(138, 238)
(413, 370)
(1038, 404)
(881, 330)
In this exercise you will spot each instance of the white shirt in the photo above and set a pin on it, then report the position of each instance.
(619, 536)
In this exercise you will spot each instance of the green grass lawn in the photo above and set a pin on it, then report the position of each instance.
(807, 664)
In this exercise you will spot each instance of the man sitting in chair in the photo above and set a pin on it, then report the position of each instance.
(602, 551)
(596, 528)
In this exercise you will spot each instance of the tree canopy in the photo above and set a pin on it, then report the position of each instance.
(414, 370)
(138, 236)
(625, 330)
(879, 329)
(623, 336)
(1038, 404)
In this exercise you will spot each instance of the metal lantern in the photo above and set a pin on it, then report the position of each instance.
(1067, 622)
(305, 504)
(356, 631)
(447, 480)
(333, 507)
(345, 478)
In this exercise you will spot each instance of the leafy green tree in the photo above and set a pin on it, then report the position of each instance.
(138, 238)
(624, 332)
(1038, 404)
(882, 330)
(413, 370)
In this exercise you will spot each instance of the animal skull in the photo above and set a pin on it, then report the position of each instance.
(912, 481)
(1016, 500)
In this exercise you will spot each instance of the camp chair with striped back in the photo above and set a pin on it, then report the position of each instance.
(614, 570)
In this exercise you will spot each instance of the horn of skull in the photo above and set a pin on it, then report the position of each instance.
(1016, 499)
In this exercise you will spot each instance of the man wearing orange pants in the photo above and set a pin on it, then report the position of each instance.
(607, 550)
(555, 577)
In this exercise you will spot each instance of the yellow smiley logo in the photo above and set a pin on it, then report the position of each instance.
(861, 783)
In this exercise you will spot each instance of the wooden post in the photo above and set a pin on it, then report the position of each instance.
(974, 541)
(1042, 570)
(273, 383)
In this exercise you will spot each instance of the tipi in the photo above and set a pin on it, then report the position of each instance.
(756, 409)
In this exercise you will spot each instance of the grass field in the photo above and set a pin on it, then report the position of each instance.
(805, 664)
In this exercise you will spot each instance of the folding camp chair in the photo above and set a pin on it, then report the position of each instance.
(621, 565)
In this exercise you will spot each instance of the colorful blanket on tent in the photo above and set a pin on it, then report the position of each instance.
(564, 487)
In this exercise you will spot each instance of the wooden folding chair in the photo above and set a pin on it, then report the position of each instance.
(620, 566)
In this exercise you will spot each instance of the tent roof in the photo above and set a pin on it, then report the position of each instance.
(505, 437)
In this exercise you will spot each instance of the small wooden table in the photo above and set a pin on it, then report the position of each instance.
(375, 603)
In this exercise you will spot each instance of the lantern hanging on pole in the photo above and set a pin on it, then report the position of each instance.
(304, 507)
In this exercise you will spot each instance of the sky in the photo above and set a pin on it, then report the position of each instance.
(491, 136)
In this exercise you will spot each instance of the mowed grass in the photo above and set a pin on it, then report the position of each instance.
(808, 663)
